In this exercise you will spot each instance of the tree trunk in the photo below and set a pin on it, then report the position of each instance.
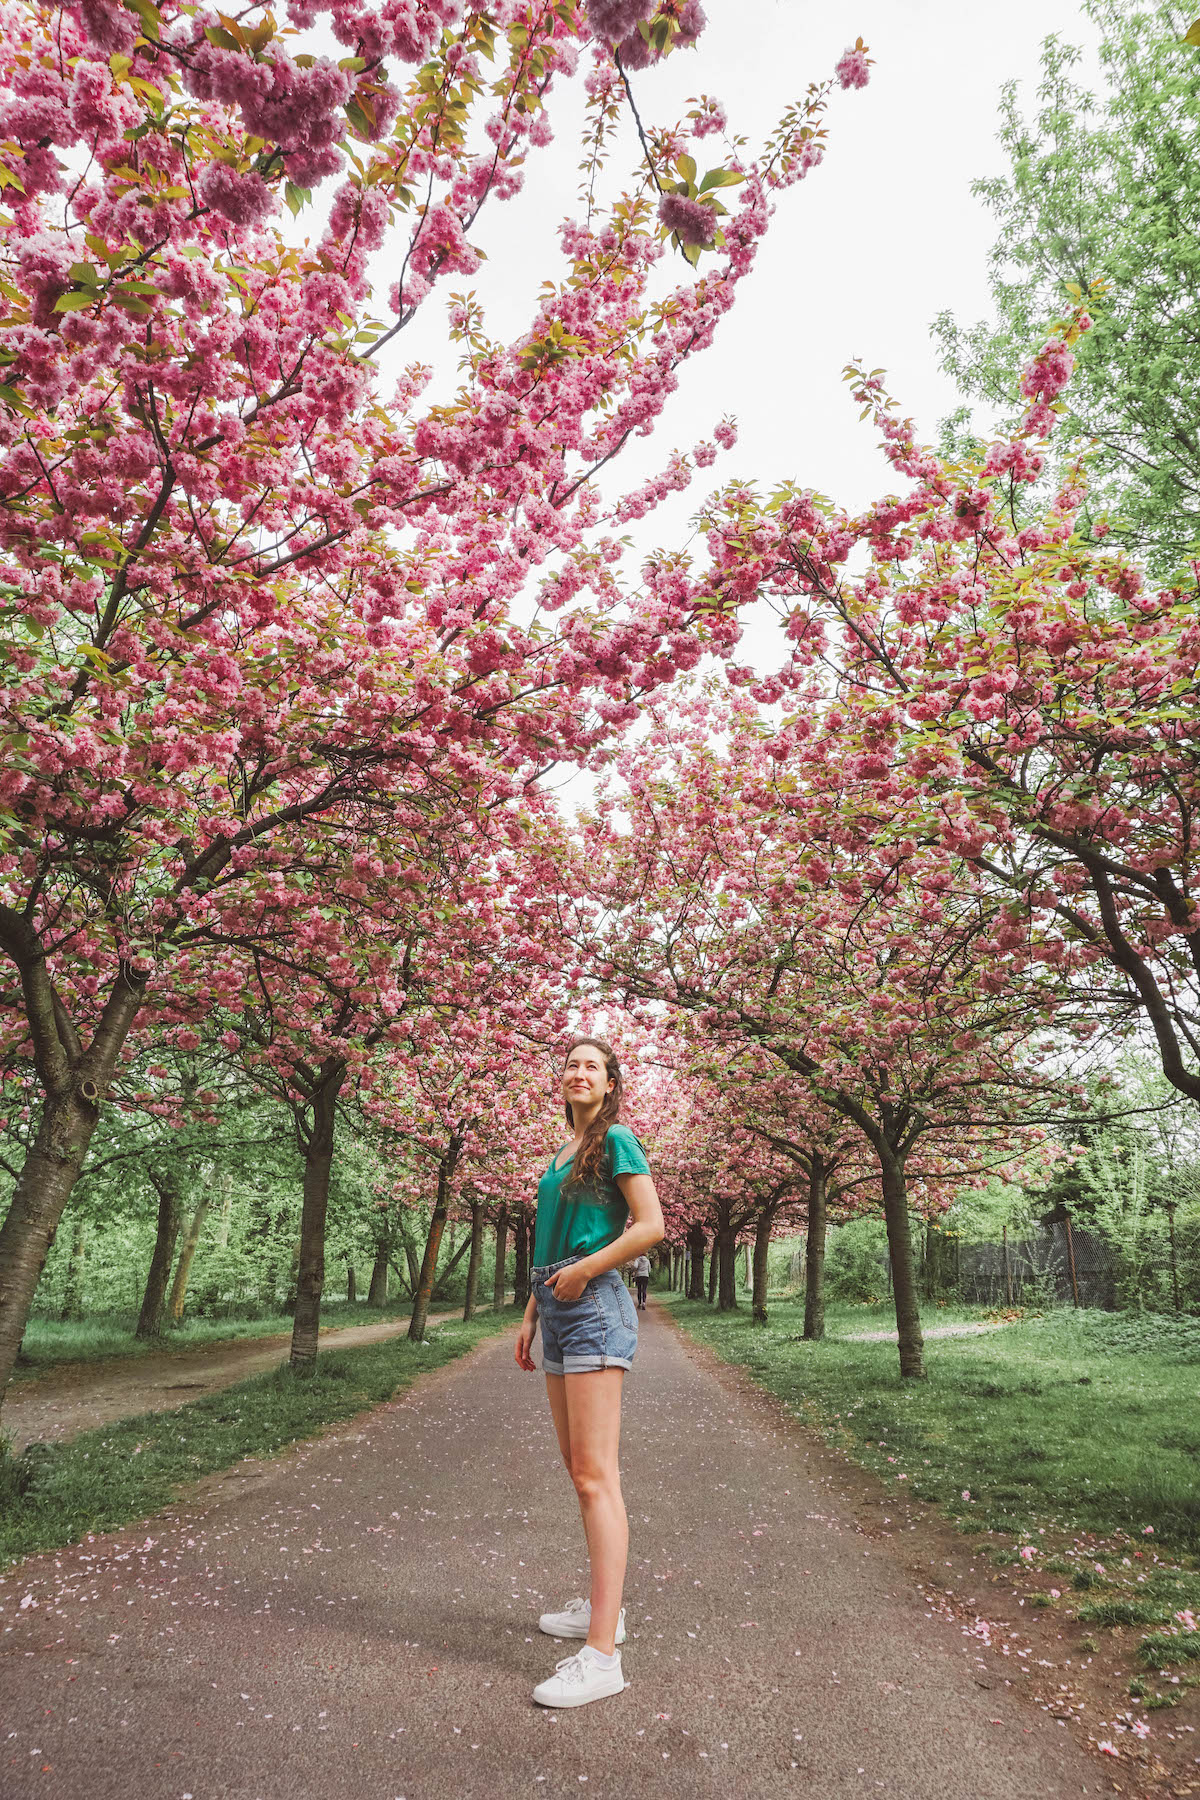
(42, 1191)
(521, 1274)
(746, 1271)
(814, 1252)
(75, 1082)
(498, 1283)
(318, 1160)
(377, 1293)
(714, 1265)
(447, 1269)
(72, 1307)
(183, 1267)
(904, 1287)
(762, 1244)
(476, 1257)
(351, 1285)
(1174, 1258)
(413, 1264)
(696, 1245)
(150, 1319)
(727, 1282)
(433, 1243)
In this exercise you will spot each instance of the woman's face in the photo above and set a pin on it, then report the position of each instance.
(585, 1077)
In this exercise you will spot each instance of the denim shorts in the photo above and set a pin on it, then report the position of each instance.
(597, 1331)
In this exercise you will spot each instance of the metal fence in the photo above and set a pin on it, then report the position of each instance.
(1055, 1263)
(1061, 1263)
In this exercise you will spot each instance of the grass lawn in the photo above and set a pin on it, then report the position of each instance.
(55, 1494)
(50, 1341)
(1062, 1436)
(1073, 1420)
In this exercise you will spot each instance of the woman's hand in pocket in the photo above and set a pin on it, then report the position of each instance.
(569, 1283)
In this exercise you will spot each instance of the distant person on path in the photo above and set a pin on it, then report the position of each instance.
(641, 1274)
(589, 1336)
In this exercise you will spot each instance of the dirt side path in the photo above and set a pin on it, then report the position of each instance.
(357, 1619)
(76, 1396)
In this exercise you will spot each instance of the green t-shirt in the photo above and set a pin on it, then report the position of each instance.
(574, 1220)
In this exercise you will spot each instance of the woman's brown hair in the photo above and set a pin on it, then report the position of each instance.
(589, 1158)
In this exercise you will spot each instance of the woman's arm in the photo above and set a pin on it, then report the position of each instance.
(526, 1335)
(647, 1229)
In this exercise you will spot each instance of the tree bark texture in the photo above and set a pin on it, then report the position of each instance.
(498, 1282)
(74, 1081)
(904, 1286)
(476, 1257)
(727, 1280)
(318, 1161)
(696, 1246)
(714, 1267)
(351, 1285)
(183, 1268)
(170, 1209)
(377, 1293)
(762, 1246)
(42, 1191)
(814, 1252)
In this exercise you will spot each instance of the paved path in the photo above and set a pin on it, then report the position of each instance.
(75, 1396)
(356, 1620)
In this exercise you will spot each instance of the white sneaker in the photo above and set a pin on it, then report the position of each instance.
(575, 1621)
(578, 1679)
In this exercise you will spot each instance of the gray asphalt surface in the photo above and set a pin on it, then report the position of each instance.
(357, 1620)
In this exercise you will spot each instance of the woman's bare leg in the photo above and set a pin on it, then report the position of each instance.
(593, 1412)
(558, 1409)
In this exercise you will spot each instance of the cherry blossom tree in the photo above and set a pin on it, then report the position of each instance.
(736, 882)
(252, 586)
(1019, 684)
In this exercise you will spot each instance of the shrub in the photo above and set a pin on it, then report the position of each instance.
(856, 1261)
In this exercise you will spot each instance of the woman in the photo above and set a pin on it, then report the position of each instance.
(589, 1335)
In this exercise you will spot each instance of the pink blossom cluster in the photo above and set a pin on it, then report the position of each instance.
(853, 69)
(692, 222)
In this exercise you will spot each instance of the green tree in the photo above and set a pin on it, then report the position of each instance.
(1102, 197)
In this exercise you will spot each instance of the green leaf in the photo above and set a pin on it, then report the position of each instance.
(687, 167)
(1192, 34)
(358, 117)
(74, 302)
(720, 178)
(147, 12)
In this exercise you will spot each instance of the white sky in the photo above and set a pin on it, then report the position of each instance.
(862, 255)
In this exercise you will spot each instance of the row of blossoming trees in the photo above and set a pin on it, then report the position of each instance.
(289, 649)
